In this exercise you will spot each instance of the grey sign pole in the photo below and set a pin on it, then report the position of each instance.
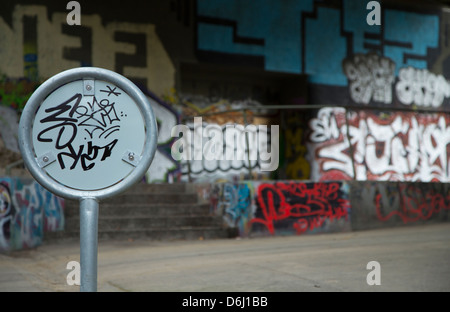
(88, 244)
(88, 134)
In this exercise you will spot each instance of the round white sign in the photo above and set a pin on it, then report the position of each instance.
(87, 133)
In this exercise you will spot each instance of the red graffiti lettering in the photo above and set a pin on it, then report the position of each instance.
(415, 205)
(311, 204)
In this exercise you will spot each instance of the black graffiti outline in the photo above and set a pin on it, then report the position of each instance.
(111, 91)
(76, 113)
(61, 109)
(84, 157)
(106, 110)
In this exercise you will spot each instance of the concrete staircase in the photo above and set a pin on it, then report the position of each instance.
(153, 211)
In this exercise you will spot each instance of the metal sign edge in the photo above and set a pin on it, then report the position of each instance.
(51, 84)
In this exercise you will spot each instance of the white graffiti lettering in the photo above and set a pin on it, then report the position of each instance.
(371, 77)
(402, 147)
(218, 150)
(422, 88)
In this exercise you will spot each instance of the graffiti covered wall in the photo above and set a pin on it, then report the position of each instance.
(256, 208)
(27, 211)
(283, 207)
(408, 36)
(366, 145)
(49, 45)
(301, 207)
(403, 63)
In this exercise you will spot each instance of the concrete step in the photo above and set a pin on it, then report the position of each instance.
(150, 193)
(158, 188)
(110, 209)
(155, 211)
(187, 233)
(150, 198)
(143, 223)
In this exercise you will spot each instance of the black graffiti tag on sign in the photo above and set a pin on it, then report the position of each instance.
(92, 122)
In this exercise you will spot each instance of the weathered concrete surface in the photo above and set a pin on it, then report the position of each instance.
(154, 211)
(376, 204)
(413, 258)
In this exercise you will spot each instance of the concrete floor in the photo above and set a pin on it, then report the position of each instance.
(413, 258)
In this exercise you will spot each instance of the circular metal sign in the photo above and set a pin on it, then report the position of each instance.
(87, 132)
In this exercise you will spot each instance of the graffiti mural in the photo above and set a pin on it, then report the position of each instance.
(27, 212)
(131, 49)
(421, 88)
(257, 208)
(395, 146)
(303, 207)
(234, 202)
(251, 31)
(406, 57)
(239, 157)
(416, 203)
(371, 77)
(277, 208)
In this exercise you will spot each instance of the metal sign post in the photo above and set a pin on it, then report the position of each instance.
(88, 134)
(88, 244)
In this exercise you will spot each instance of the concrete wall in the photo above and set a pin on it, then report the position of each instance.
(333, 44)
(385, 204)
(402, 63)
(198, 57)
(204, 56)
(256, 208)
